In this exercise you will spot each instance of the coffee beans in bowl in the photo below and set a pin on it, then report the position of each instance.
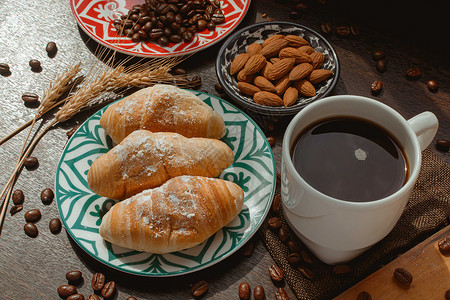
(276, 68)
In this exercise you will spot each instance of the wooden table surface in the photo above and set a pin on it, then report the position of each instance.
(33, 268)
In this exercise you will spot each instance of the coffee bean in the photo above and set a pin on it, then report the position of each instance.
(276, 203)
(444, 246)
(248, 249)
(272, 141)
(30, 229)
(306, 258)
(18, 197)
(306, 272)
(35, 65)
(403, 277)
(376, 87)
(51, 49)
(47, 196)
(33, 215)
(98, 281)
(179, 71)
(131, 298)
(275, 273)
(258, 292)
(379, 54)
(294, 15)
(281, 294)
(75, 297)
(343, 31)
(66, 290)
(218, 87)
(55, 226)
(109, 289)
(325, 28)
(294, 258)
(443, 145)
(15, 209)
(31, 163)
(432, 85)
(283, 234)
(199, 288)
(354, 29)
(196, 82)
(341, 269)
(364, 296)
(4, 69)
(93, 297)
(74, 276)
(293, 246)
(447, 295)
(30, 98)
(244, 291)
(275, 223)
(381, 65)
(413, 73)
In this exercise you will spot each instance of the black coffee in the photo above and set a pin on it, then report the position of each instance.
(349, 159)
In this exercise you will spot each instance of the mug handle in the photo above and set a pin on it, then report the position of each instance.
(425, 126)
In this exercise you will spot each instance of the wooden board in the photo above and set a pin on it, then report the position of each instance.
(429, 268)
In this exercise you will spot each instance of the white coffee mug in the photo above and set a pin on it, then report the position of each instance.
(337, 231)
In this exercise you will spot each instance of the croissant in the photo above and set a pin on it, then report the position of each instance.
(145, 160)
(180, 214)
(162, 108)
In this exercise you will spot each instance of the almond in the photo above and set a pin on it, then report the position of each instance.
(271, 38)
(242, 76)
(238, 63)
(296, 41)
(317, 59)
(300, 56)
(282, 84)
(274, 59)
(305, 88)
(273, 48)
(290, 96)
(300, 71)
(254, 64)
(307, 49)
(267, 98)
(264, 84)
(280, 68)
(247, 88)
(266, 68)
(319, 75)
(253, 49)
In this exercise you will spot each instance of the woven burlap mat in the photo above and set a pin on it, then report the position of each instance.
(427, 211)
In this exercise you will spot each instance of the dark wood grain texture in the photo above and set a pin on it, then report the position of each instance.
(33, 268)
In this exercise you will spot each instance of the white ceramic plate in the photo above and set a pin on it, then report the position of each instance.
(81, 209)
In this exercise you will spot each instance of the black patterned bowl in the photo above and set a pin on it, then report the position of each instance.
(238, 43)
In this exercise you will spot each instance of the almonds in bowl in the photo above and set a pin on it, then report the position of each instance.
(277, 68)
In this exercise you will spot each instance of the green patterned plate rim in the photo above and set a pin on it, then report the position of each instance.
(81, 209)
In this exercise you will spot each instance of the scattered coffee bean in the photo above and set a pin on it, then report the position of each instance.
(341, 269)
(33, 215)
(30, 229)
(218, 87)
(306, 272)
(306, 257)
(301, 7)
(55, 226)
(379, 54)
(199, 288)
(70, 132)
(66, 290)
(294, 258)
(364, 296)
(444, 246)
(196, 82)
(47, 196)
(354, 29)
(283, 234)
(343, 31)
(276, 203)
(258, 293)
(98, 281)
(15, 209)
(93, 297)
(248, 249)
(381, 65)
(293, 246)
(432, 85)
(18, 197)
(51, 49)
(31, 163)
(325, 28)
(75, 297)
(244, 291)
(275, 223)
(281, 294)
(74, 276)
(443, 145)
(271, 140)
(403, 277)
(109, 289)
(413, 73)
(4, 69)
(35, 65)
(294, 15)
(264, 15)
(30, 98)
(376, 87)
(447, 295)
(179, 71)
(131, 298)
(275, 273)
